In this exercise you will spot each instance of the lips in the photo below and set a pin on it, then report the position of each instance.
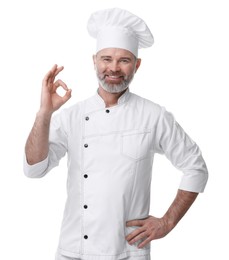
(114, 78)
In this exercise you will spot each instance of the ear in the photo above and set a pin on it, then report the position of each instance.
(94, 60)
(138, 63)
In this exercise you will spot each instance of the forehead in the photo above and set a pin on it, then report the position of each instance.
(115, 53)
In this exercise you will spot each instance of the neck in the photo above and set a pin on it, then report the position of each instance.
(110, 99)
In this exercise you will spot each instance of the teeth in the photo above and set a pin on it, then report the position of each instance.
(114, 77)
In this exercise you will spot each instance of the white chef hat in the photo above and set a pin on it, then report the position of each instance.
(118, 28)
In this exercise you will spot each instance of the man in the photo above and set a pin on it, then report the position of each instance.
(110, 140)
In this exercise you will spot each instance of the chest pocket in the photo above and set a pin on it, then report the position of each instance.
(136, 144)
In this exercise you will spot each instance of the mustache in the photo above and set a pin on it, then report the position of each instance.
(115, 74)
(105, 74)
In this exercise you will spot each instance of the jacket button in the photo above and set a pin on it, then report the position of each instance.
(85, 206)
(107, 111)
(85, 237)
(85, 176)
(86, 145)
(86, 118)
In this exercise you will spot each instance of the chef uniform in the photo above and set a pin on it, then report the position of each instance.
(110, 157)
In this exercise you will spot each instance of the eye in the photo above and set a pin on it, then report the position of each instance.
(106, 59)
(125, 61)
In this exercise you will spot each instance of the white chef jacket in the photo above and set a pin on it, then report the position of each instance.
(110, 157)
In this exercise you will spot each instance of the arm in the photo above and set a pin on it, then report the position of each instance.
(179, 207)
(153, 228)
(36, 148)
(185, 155)
(37, 145)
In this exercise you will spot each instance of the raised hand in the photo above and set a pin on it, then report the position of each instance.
(50, 100)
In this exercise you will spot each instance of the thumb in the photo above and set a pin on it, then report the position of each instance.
(67, 95)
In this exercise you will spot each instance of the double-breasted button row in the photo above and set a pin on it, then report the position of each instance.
(85, 175)
(85, 206)
(87, 117)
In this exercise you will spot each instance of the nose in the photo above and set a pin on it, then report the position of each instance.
(114, 66)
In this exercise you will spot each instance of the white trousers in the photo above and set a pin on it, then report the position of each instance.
(142, 257)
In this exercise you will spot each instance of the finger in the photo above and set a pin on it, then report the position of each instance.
(55, 71)
(59, 83)
(58, 70)
(67, 96)
(50, 74)
(136, 222)
(145, 242)
(134, 234)
(54, 68)
(138, 237)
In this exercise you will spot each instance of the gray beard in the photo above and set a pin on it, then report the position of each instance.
(115, 88)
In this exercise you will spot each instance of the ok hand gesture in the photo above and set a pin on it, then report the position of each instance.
(50, 100)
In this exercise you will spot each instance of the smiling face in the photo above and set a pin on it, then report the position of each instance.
(115, 69)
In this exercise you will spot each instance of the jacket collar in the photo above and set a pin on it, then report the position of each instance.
(122, 99)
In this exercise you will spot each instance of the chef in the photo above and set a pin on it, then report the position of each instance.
(110, 140)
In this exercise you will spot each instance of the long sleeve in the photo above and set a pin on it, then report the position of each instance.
(58, 145)
(183, 153)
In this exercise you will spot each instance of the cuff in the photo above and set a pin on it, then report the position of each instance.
(37, 170)
(194, 181)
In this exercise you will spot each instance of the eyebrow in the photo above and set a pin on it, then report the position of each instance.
(102, 57)
(106, 57)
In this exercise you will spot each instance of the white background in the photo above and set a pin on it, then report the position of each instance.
(186, 71)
